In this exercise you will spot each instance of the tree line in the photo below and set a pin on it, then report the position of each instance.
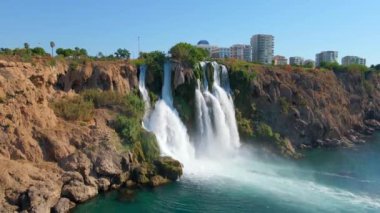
(75, 52)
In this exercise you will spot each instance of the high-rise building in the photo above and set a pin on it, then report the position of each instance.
(296, 61)
(348, 60)
(326, 56)
(262, 48)
(241, 52)
(280, 60)
(204, 44)
(221, 52)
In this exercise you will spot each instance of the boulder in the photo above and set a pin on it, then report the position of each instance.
(78, 191)
(157, 180)
(77, 162)
(139, 175)
(169, 168)
(64, 205)
(103, 184)
(106, 167)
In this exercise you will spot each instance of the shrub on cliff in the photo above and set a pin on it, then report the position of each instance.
(155, 64)
(73, 109)
(130, 104)
(141, 142)
(264, 131)
(244, 125)
(188, 54)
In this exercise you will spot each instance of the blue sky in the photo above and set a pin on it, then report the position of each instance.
(300, 27)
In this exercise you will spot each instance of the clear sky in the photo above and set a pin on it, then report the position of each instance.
(300, 27)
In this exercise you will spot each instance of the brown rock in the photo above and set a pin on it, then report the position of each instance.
(64, 205)
(103, 184)
(157, 180)
(78, 191)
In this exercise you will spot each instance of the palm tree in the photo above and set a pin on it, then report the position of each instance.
(26, 45)
(52, 45)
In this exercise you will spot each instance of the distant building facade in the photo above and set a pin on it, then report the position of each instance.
(221, 52)
(280, 60)
(296, 61)
(241, 52)
(348, 60)
(262, 48)
(326, 56)
(204, 44)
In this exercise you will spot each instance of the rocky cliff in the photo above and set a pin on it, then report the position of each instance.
(48, 163)
(310, 108)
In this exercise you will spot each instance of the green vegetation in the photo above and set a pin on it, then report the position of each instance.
(188, 54)
(122, 54)
(76, 52)
(143, 143)
(285, 105)
(341, 68)
(130, 105)
(375, 67)
(245, 125)
(265, 131)
(155, 63)
(73, 109)
(282, 145)
(26, 54)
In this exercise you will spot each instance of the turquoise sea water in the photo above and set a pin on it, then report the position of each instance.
(339, 180)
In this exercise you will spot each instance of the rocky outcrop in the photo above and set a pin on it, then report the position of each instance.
(169, 168)
(50, 164)
(115, 76)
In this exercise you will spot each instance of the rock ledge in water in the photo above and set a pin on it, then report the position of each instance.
(169, 168)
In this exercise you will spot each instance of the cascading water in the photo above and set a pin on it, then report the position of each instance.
(143, 90)
(165, 123)
(216, 116)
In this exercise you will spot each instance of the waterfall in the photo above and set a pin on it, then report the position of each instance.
(167, 86)
(143, 90)
(217, 128)
(168, 128)
(216, 134)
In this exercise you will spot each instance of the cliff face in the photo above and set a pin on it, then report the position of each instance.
(48, 163)
(311, 108)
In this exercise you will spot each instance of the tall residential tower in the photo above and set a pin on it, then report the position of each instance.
(262, 48)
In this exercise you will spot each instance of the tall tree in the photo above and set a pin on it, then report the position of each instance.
(26, 45)
(52, 45)
(122, 53)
